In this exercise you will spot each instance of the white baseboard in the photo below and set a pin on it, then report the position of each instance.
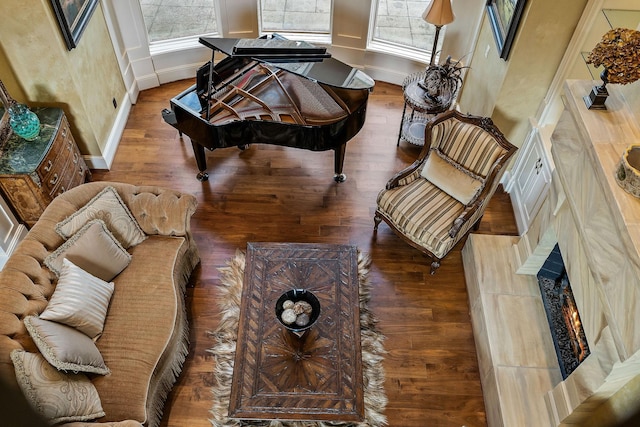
(133, 90)
(178, 73)
(113, 140)
(148, 81)
(385, 75)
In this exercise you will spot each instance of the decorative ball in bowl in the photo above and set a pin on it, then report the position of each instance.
(297, 309)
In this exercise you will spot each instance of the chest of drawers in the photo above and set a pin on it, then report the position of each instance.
(32, 173)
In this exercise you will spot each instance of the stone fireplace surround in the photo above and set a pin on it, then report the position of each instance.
(597, 226)
(562, 313)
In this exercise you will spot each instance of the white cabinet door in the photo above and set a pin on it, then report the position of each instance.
(530, 180)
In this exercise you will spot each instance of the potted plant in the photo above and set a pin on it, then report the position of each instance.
(441, 82)
(619, 53)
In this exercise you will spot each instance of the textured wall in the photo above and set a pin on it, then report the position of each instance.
(485, 77)
(8, 78)
(82, 81)
(511, 91)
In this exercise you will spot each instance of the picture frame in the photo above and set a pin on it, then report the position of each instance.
(504, 16)
(73, 17)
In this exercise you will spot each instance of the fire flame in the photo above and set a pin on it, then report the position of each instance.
(574, 325)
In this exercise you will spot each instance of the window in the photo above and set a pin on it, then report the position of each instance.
(307, 19)
(168, 20)
(397, 27)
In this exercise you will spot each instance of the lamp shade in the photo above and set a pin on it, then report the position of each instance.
(438, 12)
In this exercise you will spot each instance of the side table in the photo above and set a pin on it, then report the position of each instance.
(422, 109)
(32, 173)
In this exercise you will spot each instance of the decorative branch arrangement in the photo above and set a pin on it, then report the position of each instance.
(442, 81)
(619, 53)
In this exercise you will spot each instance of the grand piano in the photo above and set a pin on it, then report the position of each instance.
(271, 90)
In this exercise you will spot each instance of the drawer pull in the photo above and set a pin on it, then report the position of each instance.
(69, 146)
(75, 158)
(48, 167)
(54, 179)
(62, 190)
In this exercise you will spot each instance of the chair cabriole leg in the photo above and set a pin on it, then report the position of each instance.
(476, 226)
(376, 221)
(434, 266)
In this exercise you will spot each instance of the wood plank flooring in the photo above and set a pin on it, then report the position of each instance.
(269, 193)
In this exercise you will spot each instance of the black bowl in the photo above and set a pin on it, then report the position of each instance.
(296, 295)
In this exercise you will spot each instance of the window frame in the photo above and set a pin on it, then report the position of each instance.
(396, 49)
(315, 37)
(187, 42)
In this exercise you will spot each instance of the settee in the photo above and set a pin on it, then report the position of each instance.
(144, 338)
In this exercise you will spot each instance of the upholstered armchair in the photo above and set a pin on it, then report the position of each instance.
(435, 202)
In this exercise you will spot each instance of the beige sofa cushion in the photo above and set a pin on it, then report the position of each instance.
(459, 185)
(57, 396)
(108, 206)
(144, 298)
(94, 249)
(80, 300)
(64, 347)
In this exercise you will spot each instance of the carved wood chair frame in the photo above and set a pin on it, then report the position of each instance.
(480, 203)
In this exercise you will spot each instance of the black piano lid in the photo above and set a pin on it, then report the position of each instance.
(331, 72)
(291, 56)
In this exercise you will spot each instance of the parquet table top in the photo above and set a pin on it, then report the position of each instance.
(278, 375)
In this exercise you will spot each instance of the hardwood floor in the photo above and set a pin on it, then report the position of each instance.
(269, 193)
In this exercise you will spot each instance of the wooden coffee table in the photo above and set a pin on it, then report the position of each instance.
(278, 375)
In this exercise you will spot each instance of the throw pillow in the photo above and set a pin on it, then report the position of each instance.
(65, 347)
(80, 300)
(94, 249)
(57, 396)
(108, 206)
(459, 185)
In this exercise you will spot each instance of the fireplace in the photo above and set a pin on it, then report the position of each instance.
(596, 225)
(562, 313)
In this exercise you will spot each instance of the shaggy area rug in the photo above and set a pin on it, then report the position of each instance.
(375, 399)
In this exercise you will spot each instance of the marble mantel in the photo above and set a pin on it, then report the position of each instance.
(598, 229)
(597, 226)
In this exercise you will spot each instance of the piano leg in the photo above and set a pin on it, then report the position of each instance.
(201, 161)
(339, 162)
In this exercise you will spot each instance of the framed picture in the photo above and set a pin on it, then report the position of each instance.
(504, 16)
(73, 16)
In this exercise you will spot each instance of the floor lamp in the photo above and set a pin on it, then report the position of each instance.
(438, 13)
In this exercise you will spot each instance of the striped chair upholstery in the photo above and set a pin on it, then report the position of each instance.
(469, 146)
(423, 213)
(429, 218)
